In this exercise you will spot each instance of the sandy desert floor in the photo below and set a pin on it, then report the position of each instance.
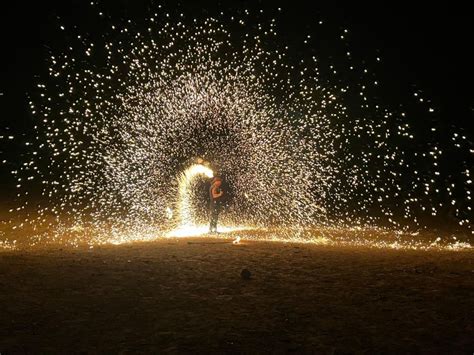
(188, 296)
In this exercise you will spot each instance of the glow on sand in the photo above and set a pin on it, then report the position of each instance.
(198, 230)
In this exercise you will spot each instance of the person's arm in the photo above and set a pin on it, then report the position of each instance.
(216, 194)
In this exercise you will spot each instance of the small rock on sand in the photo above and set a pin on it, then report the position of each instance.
(245, 274)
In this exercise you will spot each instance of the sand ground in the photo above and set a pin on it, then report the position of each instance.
(187, 296)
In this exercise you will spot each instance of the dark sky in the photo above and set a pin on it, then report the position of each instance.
(423, 48)
(427, 46)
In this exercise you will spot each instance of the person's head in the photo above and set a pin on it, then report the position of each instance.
(217, 181)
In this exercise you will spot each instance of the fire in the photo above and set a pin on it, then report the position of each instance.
(185, 179)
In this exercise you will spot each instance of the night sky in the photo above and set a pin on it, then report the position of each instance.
(423, 49)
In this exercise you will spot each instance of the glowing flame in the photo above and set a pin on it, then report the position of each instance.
(169, 213)
(185, 179)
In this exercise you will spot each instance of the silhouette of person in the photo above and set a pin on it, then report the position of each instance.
(215, 197)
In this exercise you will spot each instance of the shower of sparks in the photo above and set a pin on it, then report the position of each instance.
(121, 120)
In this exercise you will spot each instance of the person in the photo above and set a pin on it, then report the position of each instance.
(215, 197)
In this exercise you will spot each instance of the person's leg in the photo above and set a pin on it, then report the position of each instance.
(213, 220)
(216, 216)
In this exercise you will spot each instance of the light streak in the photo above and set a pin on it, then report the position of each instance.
(185, 180)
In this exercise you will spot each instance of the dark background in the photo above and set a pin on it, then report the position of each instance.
(425, 48)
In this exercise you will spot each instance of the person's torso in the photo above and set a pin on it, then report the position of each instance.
(214, 190)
